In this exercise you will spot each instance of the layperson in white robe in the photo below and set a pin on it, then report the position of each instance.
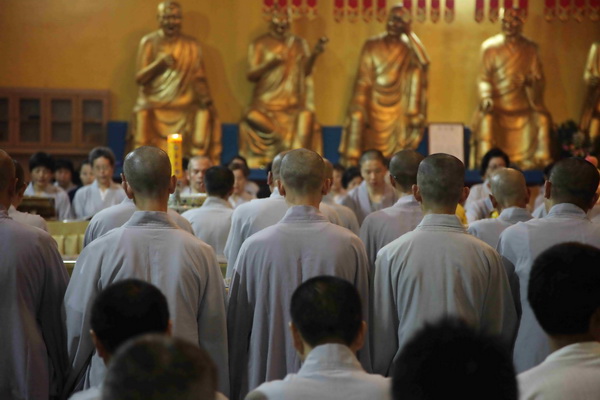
(347, 217)
(33, 281)
(572, 192)
(511, 196)
(383, 226)
(62, 205)
(103, 192)
(437, 270)
(273, 262)
(563, 292)
(117, 215)
(480, 209)
(41, 167)
(150, 247)
(327, 330)
(17, 198)
(373, 193)
(212, 221)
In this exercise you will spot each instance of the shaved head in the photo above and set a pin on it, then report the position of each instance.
(148, 171)
(302, 171)
(575, 181)
(328, 169)
(373, 154)
(276, 165)
(7, 179)
(509, 188)
(404, 166)
(441, 179)
(204, 161)
(19, 174)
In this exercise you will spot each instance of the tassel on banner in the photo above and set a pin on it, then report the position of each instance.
(367, 11)
(421, 12)
(494, 10)
(338, 10)
(549, 10)
(479, 11)
(310, 9)
(297, 9)
(594, 12)
(564, 10)
(352, 12)
(381, 10)
(435, 11)
(407, 4)
(523, 9)
(268, 6)
(449, 11)
(579, 10)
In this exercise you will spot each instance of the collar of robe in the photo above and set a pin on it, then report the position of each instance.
(154, 219)
(303, 214)
(441, 221)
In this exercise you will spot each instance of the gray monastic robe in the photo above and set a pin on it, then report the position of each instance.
(480, 209)
(88, 201)
(27, 218)
(211, 223)
(62, 204)
(270, 266)
(384, 226)
(150, 247)
(33, 280)
(434, 271)
(115, 216)
(489, 229)
(519, 245)
(358, 200)
(347, 217)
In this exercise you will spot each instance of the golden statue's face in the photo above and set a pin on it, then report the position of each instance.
(397, 22)
(280, 26)
(512, 23)
(170, 21)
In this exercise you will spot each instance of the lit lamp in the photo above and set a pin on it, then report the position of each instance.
(175, 152)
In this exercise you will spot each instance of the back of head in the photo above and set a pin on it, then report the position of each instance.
(403, 168)
(509, 188)
(102, 151)
(449, 359)
(372, 154)
(7, 173)
(575, 181)
(326, 309)
(127, 309)
(302, 171)
(19, 174)
(218, 181)
(276, 165)
(148, 171)
(157, 367)
(41, 159)
(441, 179)
(563, 288)
(328, 169)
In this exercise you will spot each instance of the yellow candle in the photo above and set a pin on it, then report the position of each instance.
(175, 152)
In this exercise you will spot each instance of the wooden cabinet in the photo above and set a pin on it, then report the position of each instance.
(59, 121)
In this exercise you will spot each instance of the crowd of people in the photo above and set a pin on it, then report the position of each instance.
(333, 288)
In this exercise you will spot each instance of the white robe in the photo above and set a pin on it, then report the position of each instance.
(571, 372)
(489, 229)
(480, 209)
(88, 200)
(519, 245)
(384, 226)
(434, 271)
(150, 247)
(270, 266)
(358, 200)
(211, 223)
(33, 280)
(330, 372)
(347, 217)
(477, 192)
(62, 204)
(115, 216)
(27, 218)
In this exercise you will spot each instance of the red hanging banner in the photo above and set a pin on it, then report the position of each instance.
(549, 10)
(421, 12)
(267, 9)
(579, 10)
(508, 4)
(564, 10)
(338, 10)
(381, 10)
(449, 11)
(594, 10)
(494, 10)
(523, 8)
(311, 9)
(435, 11)
(297, 8)
(479, 10)
(367, 10)
(353, 11)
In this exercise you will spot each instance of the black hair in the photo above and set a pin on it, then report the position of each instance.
(449, 359)
(242, 167)
(105, 152)
(63, 163)
(326, 309)
(487, 157)
(339, 167)
(218, 181)
(564, 288)
(349, 175)
(41, 159)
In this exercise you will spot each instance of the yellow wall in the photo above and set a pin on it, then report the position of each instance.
(92, 44)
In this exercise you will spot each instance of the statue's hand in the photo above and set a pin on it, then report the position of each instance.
(486, 105)
(167, 60)
(320, 46)
(415, 121)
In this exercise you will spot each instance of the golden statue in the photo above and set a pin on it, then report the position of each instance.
(174, 96)
(389, 106)
(590, 117)
(512, 115)
(281, 115)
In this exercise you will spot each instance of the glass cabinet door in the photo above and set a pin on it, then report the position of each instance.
(30, 121)
(61, 123)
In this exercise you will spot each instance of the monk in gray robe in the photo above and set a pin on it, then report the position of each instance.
(273, 262)
(23, 217)
(383, 226)
(150, 247)
(571, 190)
(438, 270)
(347, 217)
(33, 280)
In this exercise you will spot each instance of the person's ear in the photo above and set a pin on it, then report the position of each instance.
(392, 180)
(326, 186)
(595, 325)
(296, 339)
(359, 341)
(547, 189)
(270, 178)
(594, 200)
(465, 195)
(169, 331)
(528, 194)
(280, 187)
(417, 193)
(172, 184)
(100, 349)
(126, 187)
(494, 202)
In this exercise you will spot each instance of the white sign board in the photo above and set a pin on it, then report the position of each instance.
(447, 138)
